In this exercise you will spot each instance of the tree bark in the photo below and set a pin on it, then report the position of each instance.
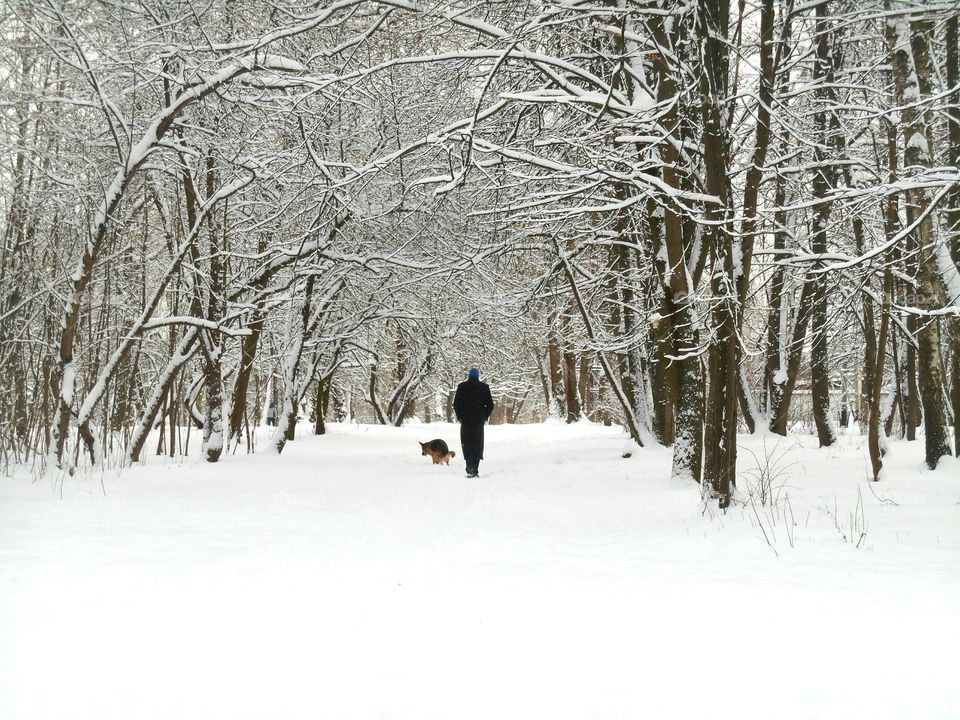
(213, 343)
(876, 388)
(720, 430)
(571, 401)
(320, 408)
(912, 70)
(823, 182)
(952, 216)
(556, 374)
(688, 391)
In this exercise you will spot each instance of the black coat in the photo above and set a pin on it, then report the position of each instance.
(473, 402)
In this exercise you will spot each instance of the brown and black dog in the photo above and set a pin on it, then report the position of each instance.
(438, 450)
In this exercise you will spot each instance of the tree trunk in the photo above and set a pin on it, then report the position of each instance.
(556, 376)
(777, 326)
(911, 68)
(213, 420)
(320, 408)
(663, 377)
(661, 371)
(571, 400)
(448, 406)
(952, 216)
(688, 391)
(823, 181)
(876, 389)
(585, 386)
(720, 429)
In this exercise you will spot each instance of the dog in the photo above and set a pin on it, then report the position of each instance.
(438, 450)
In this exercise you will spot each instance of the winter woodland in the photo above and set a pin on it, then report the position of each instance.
(689, 219)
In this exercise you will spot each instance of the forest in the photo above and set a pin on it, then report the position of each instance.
(688, 219)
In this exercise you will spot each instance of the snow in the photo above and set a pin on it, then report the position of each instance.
(350, 578)
(280, 63)
(68, 383)
(919, 142)
(949, 274)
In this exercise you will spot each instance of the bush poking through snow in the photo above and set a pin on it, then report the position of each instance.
(854, 530)
(769, 473)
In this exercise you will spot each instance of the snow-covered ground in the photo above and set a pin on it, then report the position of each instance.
(349, 578)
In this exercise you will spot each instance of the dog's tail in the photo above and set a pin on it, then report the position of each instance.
(452, 454)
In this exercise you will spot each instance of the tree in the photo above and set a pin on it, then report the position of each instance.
(911, 67)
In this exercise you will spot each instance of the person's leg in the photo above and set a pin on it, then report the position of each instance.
(467, 445)
(476, 446)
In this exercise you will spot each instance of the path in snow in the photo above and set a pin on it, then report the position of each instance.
(350, 578)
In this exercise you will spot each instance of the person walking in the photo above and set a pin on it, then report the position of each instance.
(472, 404)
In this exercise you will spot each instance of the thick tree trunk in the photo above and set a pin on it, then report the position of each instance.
(661, 371)
(320, 408)
(912, 70)
(952, 216)
(823, 181)
(688, 391)
(663, 377)
(213, 435)
(932, 378)
(571, 401)
(720, 430)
